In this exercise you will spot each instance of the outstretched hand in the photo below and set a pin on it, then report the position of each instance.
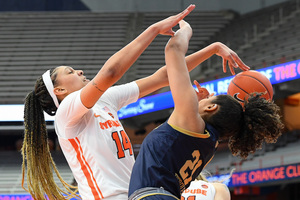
(202, 93)
(231, 58)
(165, 26)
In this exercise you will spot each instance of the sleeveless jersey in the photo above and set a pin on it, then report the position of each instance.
(95, 144)
(199, 190)
(171, 158)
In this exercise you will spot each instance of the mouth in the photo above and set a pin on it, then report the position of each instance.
(85, 79)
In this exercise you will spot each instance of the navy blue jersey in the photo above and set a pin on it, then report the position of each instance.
(171, 158)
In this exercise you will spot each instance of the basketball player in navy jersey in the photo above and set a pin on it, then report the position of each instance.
(174, 154)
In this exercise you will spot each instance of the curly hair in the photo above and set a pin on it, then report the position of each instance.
(37, 159)
(248, 127)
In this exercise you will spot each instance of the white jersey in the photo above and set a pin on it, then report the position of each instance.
(95, 144)
(199, 190)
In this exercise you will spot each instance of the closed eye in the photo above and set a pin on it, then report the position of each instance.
(71, 70)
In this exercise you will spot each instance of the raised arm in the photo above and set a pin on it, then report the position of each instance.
(120, 62)
(159, 79)
(217, 48)
(185, 114)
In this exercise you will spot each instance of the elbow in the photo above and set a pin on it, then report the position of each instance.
(175, 47)
(111, 72)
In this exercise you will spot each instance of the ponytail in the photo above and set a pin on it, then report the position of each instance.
(38, 164)
(246, 128)
(262, 123)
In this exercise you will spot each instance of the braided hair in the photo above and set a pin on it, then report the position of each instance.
(248, 127)
(37, 159)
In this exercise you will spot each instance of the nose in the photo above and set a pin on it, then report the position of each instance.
(80, 72)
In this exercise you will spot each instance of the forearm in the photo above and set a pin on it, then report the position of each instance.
(157, 80)
(160, 78)
(200, 56)
(116, 66)
(192, 61)
(175, 61)
(121, 61)
(154, 82)
(195, 59)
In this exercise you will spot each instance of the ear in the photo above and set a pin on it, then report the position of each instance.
(211, 107)
(59, 91)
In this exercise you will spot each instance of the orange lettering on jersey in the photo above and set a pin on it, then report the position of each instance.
(109, 124)
(196, 191)
(187, 191)
(103, 125)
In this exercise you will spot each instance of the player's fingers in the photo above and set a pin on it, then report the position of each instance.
(212, 94)
(224, 65)
(197, 84)
(184, 13)
(240, 63)
(231, 68)
(202, 90)
(205, 93)
(232, 62)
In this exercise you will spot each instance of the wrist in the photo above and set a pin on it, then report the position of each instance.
(216, 46)
(153, 29)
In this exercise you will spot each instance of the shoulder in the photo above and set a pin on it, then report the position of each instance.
(70, 109)
(126, 93)
(222, 191)
(127, 87)
(72, 98)
(212, 131)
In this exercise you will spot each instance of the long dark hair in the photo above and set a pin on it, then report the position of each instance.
(246, 128)
(37, 159)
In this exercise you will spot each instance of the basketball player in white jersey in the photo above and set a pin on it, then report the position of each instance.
(203, 190)
(90, 134)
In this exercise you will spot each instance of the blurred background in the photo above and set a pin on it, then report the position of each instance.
(36, 35)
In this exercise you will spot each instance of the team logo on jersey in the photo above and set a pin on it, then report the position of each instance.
(235, 96)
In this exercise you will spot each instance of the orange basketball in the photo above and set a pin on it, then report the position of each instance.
(248, 82)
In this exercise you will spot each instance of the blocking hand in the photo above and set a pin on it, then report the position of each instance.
(165, 26)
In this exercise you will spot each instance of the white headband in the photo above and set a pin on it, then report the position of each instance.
(49, 85)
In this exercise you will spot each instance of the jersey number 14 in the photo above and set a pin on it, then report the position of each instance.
(122, 143)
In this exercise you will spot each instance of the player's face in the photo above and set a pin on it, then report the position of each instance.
(70, 79)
